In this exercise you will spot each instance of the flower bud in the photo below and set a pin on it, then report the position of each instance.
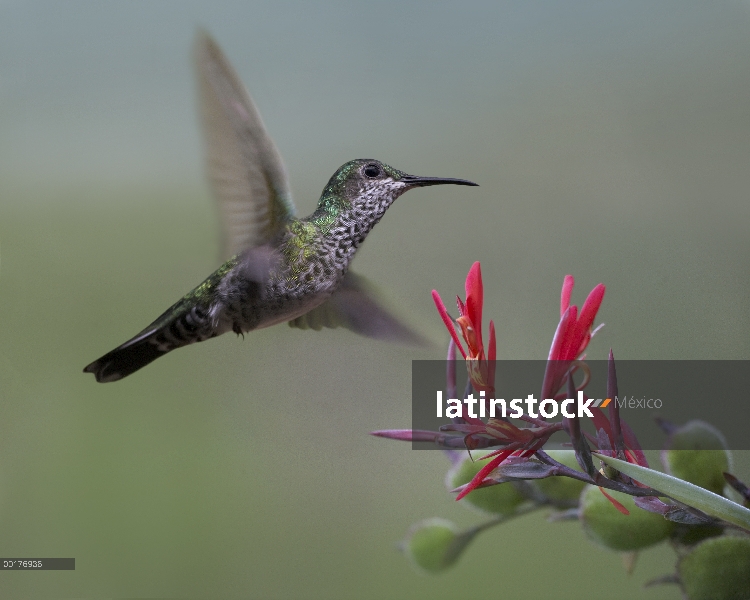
(697, 452)
(607, 526)
(562, 489)
(429, 544)
(717, 569)
(501, 499)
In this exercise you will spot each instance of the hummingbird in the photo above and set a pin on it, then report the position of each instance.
(278, 267)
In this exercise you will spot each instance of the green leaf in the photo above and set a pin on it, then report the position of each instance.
(682, 491)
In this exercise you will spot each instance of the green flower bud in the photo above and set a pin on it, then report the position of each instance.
(697, 452)
(430, 544)
(562, 489)
(501, 499)
(607, 526)
(717, 569)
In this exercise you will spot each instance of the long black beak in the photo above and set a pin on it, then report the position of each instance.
(414, 181)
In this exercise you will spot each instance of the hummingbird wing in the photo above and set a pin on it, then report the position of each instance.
(353, 306)
(246, 171)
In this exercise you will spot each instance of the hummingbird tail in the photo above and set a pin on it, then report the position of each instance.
(126, 359)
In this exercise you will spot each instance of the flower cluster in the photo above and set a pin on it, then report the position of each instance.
(572, 336)
(665, 506)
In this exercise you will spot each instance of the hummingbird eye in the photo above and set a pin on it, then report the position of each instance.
(372, 171)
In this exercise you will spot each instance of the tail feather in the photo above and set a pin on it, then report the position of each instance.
(187, 321)
(126, 359)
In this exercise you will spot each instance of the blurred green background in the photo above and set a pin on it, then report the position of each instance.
(610, 140)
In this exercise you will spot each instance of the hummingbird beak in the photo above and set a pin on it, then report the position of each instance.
(414, 181)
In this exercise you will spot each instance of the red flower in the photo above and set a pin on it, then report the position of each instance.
(574, 331)
(480, 366)
(572, 336)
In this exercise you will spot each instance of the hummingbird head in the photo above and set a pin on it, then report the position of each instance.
(360, 192)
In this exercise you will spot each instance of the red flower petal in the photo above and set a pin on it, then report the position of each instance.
(571, 337)
(556, 367)
(580, 338)
(567, 290)
(474, 287)
(492, 350)
(615, 503)
(476, 326)
(591, 307)
(483, 472)
(475, 299)
(447, 320)
(560, 334)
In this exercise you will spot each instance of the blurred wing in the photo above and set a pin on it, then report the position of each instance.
(245, 169)
(353, 306)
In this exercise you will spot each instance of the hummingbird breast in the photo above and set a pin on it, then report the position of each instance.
(294, 273)
(270, 285)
